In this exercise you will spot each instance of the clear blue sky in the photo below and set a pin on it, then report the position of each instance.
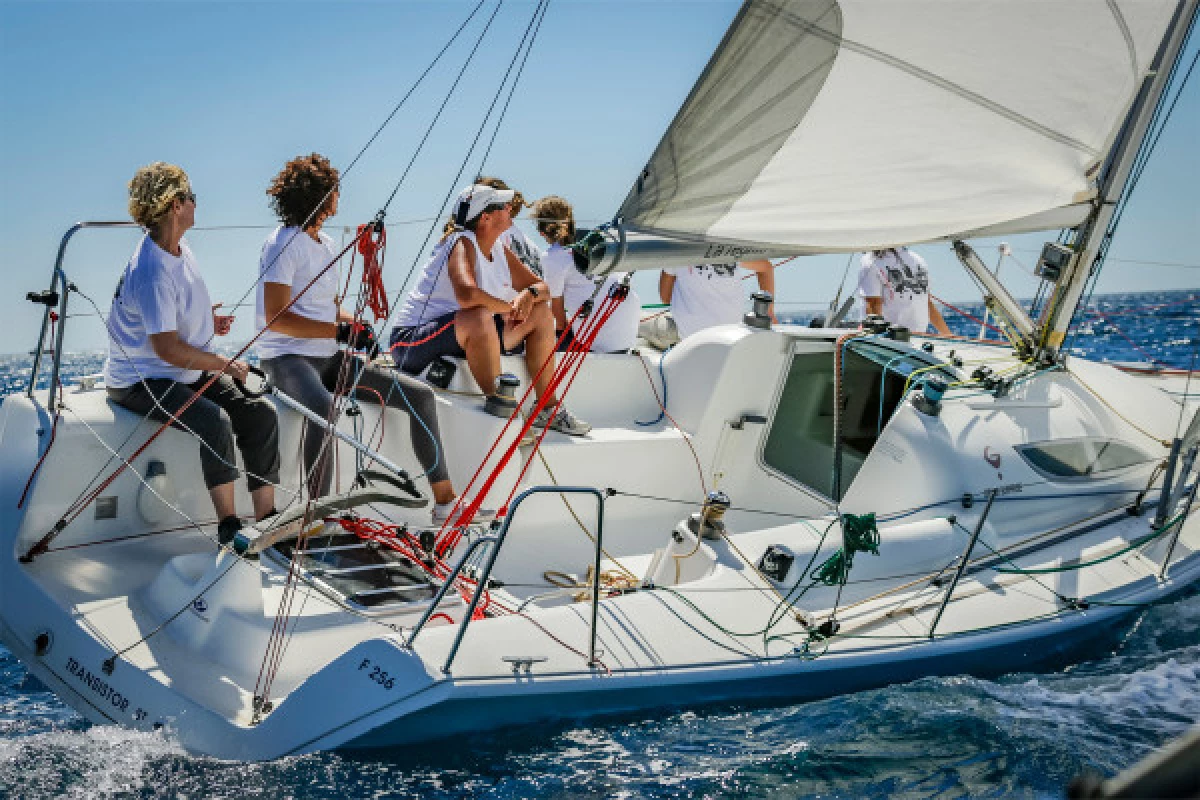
(89, 91)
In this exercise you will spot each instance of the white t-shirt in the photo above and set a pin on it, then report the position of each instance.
(522, 248)
(901, 279)
(433, 295)
(575, 288)
(292, 257)
(158, 292)
(705, 296)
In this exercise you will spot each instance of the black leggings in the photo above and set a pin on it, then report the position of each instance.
(220, 415)
(310, 381)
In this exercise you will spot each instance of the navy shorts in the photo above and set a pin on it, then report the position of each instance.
(413, 359)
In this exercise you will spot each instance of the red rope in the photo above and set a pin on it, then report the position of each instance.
(1124, 336)
(430, 337)
(959, 311)
(372, 242)
(556, 378)
(456, 512)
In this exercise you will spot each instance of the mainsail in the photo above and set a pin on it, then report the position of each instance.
(842, 125)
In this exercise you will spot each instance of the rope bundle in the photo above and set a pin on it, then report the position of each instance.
(859, 535)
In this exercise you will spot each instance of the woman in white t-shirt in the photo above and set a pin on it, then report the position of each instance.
(160, 357)
(514, 238)
(299, 347)
(570, 288)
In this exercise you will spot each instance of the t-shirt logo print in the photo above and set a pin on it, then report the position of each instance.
(902, 278)
(710, 271)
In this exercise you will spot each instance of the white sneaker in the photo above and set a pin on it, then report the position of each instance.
(441, 513)
(564, 422)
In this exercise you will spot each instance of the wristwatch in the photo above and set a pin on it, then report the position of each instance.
(533, 291)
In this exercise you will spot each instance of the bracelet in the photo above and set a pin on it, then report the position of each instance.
(533, 291)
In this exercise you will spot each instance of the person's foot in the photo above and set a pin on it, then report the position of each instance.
(442, 511)
(563, 422)
(227, 528)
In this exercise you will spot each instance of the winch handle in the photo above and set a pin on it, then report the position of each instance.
(266, 383)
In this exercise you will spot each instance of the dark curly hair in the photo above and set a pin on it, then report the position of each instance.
(303, 189)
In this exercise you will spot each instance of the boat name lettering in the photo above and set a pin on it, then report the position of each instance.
(377, 675)
(732, 251)
(1011, 488)
(97, 685)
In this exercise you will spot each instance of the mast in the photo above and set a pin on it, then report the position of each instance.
(1095, 230)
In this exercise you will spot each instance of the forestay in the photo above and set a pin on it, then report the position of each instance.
(825, 126)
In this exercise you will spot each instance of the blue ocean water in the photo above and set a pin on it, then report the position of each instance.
(1017, 735)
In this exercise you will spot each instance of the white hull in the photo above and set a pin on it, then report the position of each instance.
(347, 679)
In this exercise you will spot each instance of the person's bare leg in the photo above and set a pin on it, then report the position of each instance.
(475, 330)
(538, 332)
(222, 500)
(264, 500)
(443, 492)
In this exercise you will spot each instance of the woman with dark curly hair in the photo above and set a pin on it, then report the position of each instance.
(299, 350)
(160, 357)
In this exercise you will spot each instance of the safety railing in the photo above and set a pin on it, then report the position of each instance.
(482, 578)
(59, 291)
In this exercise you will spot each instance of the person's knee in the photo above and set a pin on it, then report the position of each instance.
(261, 413)
(541, 316)
(540, 322)
(475, 327)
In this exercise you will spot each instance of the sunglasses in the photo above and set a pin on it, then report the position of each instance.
(187, 196)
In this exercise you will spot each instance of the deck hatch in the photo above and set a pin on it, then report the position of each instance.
(364, 574)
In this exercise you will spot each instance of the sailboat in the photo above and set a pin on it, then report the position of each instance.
(802, 512)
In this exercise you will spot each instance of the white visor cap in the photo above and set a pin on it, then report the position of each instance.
(474, 199)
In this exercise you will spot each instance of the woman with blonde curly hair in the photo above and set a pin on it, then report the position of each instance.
(570, 288)
(299, 349)
(160, 332)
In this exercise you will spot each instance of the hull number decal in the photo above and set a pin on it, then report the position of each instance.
(377, 674)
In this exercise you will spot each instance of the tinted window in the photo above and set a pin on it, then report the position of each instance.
(1080, 458)
(800, 441)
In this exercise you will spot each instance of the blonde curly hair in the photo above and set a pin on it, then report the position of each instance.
(152, 190)
(555, 219)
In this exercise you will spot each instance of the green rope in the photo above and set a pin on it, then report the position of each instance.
(859, 535)
(1136, 543)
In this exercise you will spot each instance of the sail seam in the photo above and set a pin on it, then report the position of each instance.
(943, 83)
(1129, 44)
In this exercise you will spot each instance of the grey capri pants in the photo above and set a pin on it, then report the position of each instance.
(310, 381)
(220, 415)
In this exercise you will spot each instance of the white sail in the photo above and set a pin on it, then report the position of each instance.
(825, 126)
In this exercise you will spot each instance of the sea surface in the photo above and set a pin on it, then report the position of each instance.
(1020, 735)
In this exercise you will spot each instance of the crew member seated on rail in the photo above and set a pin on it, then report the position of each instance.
(570, 288)
(160, 332)
(701, 297)
(476, 299)
(514, 238)
(299, 346)
(894, 283)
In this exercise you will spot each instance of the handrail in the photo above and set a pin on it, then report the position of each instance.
(482, 579)
(57, 276)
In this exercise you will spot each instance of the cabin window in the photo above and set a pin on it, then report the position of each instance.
(1081, 458)
(799, 443)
